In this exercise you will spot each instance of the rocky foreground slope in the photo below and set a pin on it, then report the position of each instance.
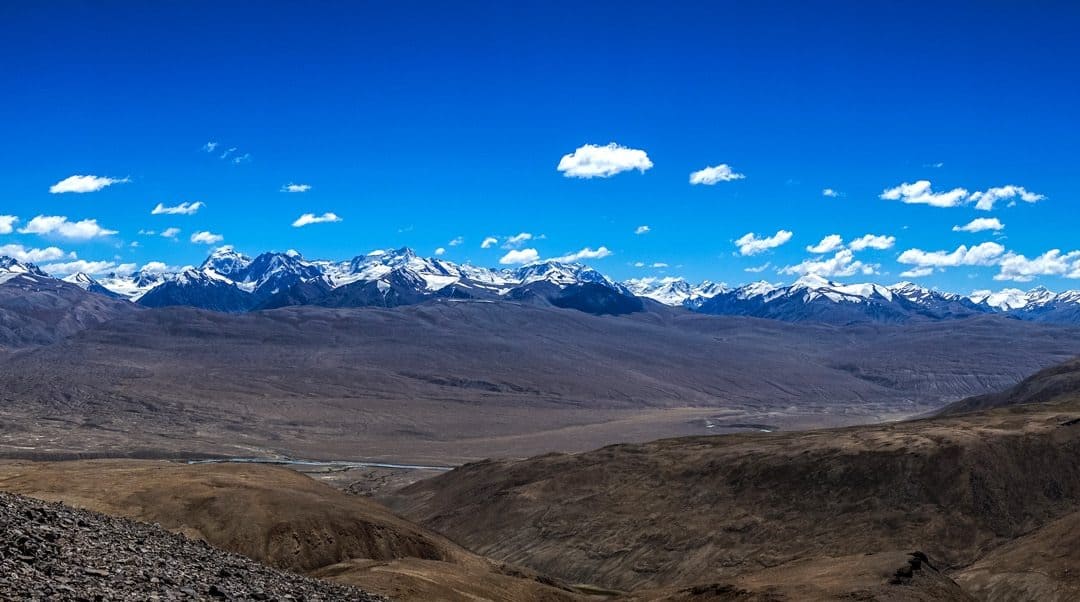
(55, 552)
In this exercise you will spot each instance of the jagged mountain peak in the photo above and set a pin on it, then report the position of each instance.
(14, 267)
(225, 260)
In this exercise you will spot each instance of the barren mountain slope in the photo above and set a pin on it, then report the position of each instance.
(451, 381)
(35, 310)
(714, 509)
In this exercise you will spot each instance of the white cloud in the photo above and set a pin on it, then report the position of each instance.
(210, 146)
(290, 187)
(440, 251)
(594, 161)
(1019, 268)
(873, 241)
(758, 268)
(987, 253)
(207, 238)
(642, 230)
(921, 193)
(170, 232)
(311, 218)
(586, 253)
(517, 240)
(158, 267)
(750, 244)
(7, 224)
(489, 242)
(828, 244)
(81, 265)
(184, 208)
(23, 254)
(660, 264)
(985, 200)
(829, 192)
(917, 272)
(980, 225)
(147, 232)
(244, 158)
(59, 225)
(842, 264)
(84, 184)
(520, 256)
(639, 264)
(456, 241)
(712, 175)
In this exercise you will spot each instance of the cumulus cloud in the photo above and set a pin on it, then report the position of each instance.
(82, 184)
(985, 200)
(711, 175)
(594, 161)
(872, 241)
(7, 224)
(26, 255)
(184, 208)
(170, 232)
(586, 253)
(842, 264)
(311, 218)
(207, 238)
(87, 267)
(828, 244)
(980, 225)
(440, 251)
(921, 193)
(58, 225)
(751, 244)
(489, 242)
(158, 267)
(642, 230)
(456, 241)
(757, 269)
(660, 264)
(829, 192)
(987, 253)
(290, 187)
(517, 240)
(1019, 268)
(519, 257)
(917, 272)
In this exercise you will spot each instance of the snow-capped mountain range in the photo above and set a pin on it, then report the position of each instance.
(233, 282)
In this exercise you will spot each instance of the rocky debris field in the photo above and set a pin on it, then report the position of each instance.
(55, 552)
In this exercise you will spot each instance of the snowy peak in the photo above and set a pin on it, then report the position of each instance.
(14, 266)
(673, 291)
(1014, 299)
(11, 268)
(81, 280)
(562, 275)
(226, 261)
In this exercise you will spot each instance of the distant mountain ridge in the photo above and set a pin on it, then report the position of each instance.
(230, 281)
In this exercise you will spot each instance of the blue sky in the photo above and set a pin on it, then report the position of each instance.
(418, 123)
